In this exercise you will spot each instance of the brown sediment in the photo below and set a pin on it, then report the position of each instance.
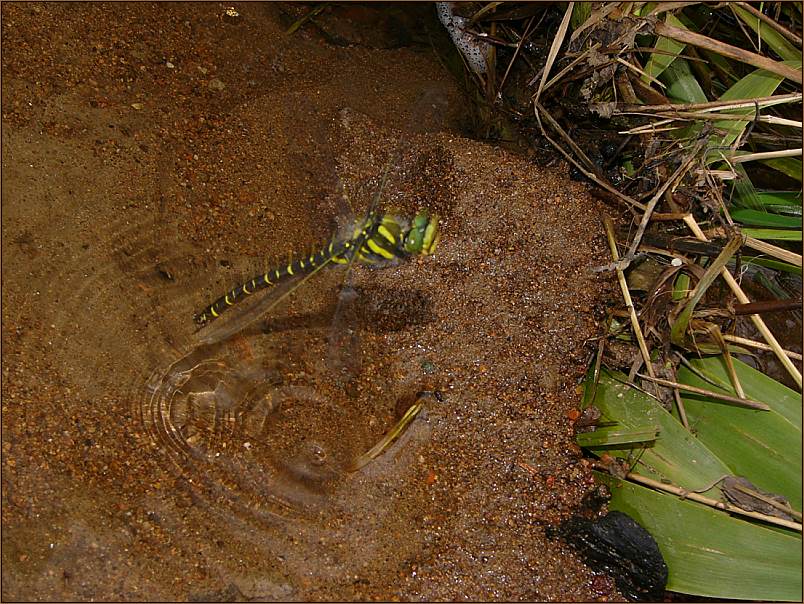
(153, 155)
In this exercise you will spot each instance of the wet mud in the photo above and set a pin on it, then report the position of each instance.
(155, 155)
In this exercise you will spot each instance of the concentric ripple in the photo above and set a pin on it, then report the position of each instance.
(251, 418)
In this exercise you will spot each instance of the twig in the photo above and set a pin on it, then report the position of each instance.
(542, 112)
(744, 402)
(672, 116)
(678, 174)
(773, 250)
(682, 412)
(568, 68)
(738, 159)
(727, 507)
(643, 347)
(767, 306)
(761, 102)
(757, 320)
(516, 53)
(759, 345)
(639, 72)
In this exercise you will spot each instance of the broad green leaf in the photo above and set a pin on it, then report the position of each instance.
(779, 197)
(769, 36)
(760, 218)
(676, 455)
(789, 166)
(681, 83)
(709, 553)
(659, 61)
(758, 83)
(785, 210)
(763, 446)
(772, 234)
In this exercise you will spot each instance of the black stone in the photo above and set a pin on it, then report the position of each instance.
(617, 545)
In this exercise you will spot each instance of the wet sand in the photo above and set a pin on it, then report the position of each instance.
(154, 156)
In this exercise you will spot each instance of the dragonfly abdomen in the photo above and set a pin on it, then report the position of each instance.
(270, 278)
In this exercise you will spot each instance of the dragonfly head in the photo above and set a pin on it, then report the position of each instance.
(423, 236)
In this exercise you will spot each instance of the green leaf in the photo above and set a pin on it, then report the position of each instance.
(758, 83)
(760, 218)
(779, 197)
(659, 61)
(678, 330)
(580, 13)
(772, 234)
(789, 166)
(763, 446)
(681, 83)
(785, 210)
(773, 263)
(770, 36)
(617, 436)
(709, 553)
(676, 455)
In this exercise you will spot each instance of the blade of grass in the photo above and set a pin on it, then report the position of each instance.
(727, 50)
(670, 49)
(773, 38)
(774, 264)
(772, 234)
(759, 218)
(789, 166)
(678, 331)
(617, 436)
(759, 83)
(789, 35)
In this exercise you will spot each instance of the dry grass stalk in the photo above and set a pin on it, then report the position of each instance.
(739, 159)
(759, 102)
(555, 47)
(773, 250)
(629, 304)
(758, 345)
(721, 505)
(741, 401)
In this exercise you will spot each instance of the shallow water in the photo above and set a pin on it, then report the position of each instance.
(139, 463)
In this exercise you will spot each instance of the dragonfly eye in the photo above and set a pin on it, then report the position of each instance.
(423, 236)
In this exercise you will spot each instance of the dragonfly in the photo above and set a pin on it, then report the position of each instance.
(225, 413)
(380, 239)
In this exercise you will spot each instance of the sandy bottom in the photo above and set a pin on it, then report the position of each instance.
(156, 154)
